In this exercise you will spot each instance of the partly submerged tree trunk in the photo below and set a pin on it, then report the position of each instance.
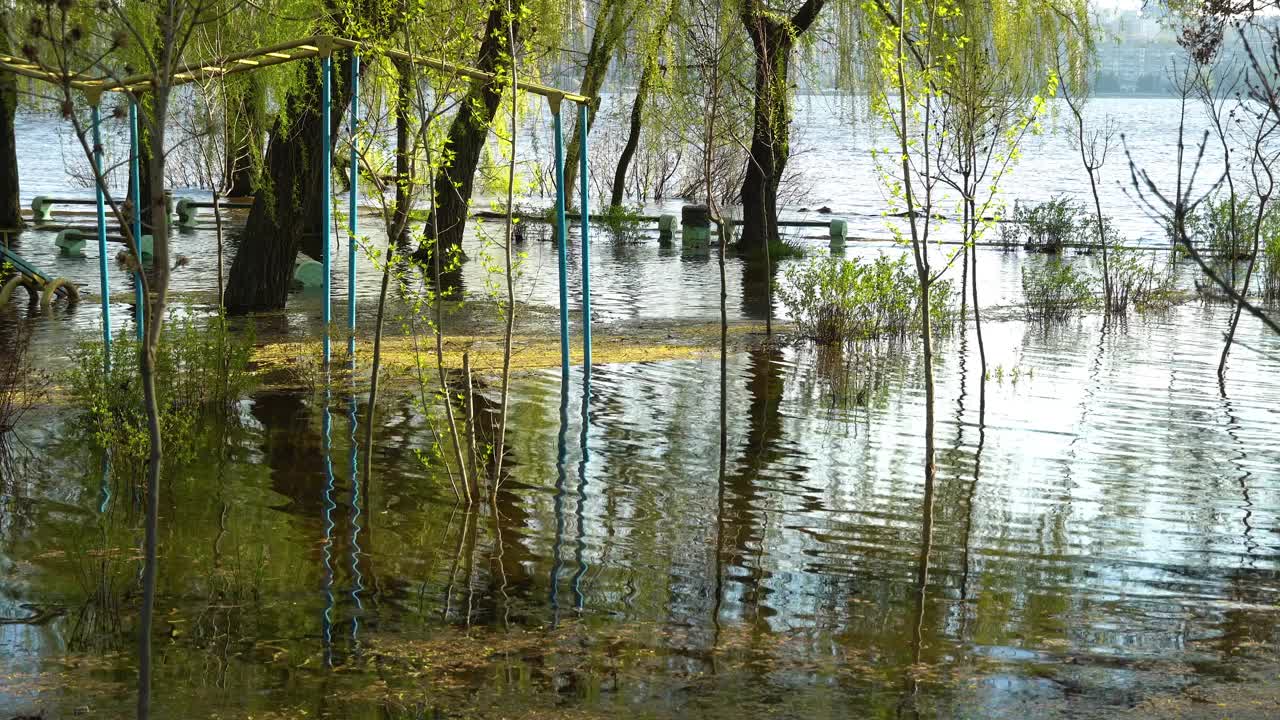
(455, 180)
(285, 217)
(773, 40)
(10, 203)
(145, 171)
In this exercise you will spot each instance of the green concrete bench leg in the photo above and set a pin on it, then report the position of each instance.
(666, 228)
(41, 209)
(187, 212)
(839, 234)
(71, 243)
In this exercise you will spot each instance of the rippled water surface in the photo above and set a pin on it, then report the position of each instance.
(1104, 528)
(697, 538)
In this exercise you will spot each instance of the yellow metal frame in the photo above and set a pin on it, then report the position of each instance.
(301, 49)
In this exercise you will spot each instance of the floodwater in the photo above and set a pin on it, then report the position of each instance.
(699, 538)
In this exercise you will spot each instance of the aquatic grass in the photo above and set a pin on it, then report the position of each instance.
(783, 250)
(843, 300)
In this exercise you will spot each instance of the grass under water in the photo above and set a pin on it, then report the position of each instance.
(1090, 552)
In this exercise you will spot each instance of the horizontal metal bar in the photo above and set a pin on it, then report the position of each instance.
(468, 72)
(299, 49)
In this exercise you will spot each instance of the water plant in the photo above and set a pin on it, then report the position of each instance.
(834, 300)
(203, 367)
(1271, 264)
(1049, 227)
(1217, 225)
(1138, 279)
(22, 386)
(1055, 290)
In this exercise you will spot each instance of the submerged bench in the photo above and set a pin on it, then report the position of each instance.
(71, 242)
(696, 222)
(188, 208)
(42, 206)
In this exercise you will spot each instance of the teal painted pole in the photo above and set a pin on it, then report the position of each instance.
(586, 241)
(561, 238)
(103, 279)
(352, 197)
(326, 205)
(135, 185)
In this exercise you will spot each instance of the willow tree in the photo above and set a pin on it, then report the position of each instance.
(774, 29)
(246, 125)
(455, 176)
(613, 18)
(285, 217)
(654, 44)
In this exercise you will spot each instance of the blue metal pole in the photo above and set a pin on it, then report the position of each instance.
(561, 238)
(103, 279)
(352, 197)
(326, 218)
(135, 185)
(586, 241)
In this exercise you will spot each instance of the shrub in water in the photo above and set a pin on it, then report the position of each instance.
(1048, 227)
(1054, 290)
(22, 386)
(837, 300)
(1141, 279)
(1138, 279)
(1210, 228)
(200, 368)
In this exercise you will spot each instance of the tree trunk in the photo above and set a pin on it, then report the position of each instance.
(285, 217)
(455, 180)
(773, 40)
(770, 133)
(10, 202)
(158, 293)
(633, 136)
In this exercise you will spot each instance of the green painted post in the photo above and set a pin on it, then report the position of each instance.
(586, 241)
